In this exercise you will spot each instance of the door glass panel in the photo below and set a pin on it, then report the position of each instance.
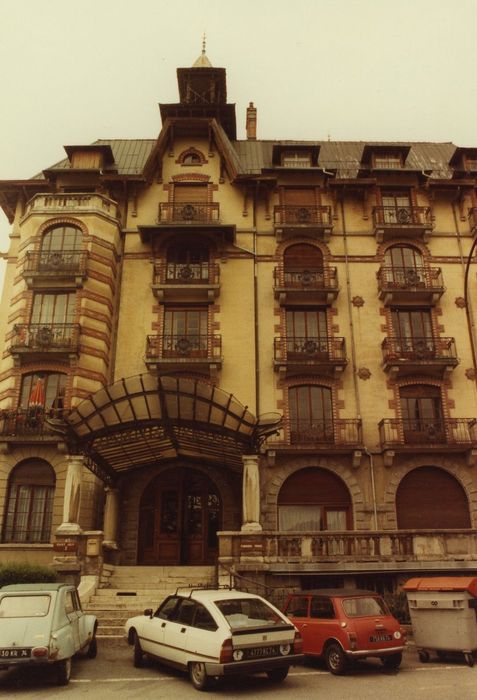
(194, 513)
(169, 511)
(300, 518)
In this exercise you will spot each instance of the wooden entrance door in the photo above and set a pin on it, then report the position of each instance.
(180, 514)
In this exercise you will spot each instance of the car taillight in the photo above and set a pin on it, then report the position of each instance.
(353, 641)
(39, 651)
(298, 644)
(226, 652)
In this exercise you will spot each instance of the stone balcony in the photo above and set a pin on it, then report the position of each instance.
(72, 203)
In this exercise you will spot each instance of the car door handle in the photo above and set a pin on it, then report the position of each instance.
(183, 629)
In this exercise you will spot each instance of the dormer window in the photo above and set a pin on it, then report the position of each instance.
(296, 159)
(387, 161)
(471, 164)
(192, 156)
(191, 159)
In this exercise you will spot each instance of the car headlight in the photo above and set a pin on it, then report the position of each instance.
(285, 649)
(238, 655)
(397, 634)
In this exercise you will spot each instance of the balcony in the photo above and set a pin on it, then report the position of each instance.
(45, 341)
(28, 425)
(405, 222)
(67, 203)
(435, 357)
(55, 269)
(302, 220)
(309, 355)
(450, 435)
(189, 213)
(186, 282)
(305, 286)
(338, 436)
(410, 285)
(472, 216)
(195, 353)
(349, 551)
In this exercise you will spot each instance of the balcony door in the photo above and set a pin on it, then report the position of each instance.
(306, 333)
(49, 309)
(303, 265)
(412, 330)
(180, 515)
(421, 410)
(404, 266)
(311, 414)
(397, 207)
(188, 261)
(185, 332)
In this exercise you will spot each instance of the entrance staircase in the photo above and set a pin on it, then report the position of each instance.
(126, 591)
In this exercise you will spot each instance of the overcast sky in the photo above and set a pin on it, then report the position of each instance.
(75, 71)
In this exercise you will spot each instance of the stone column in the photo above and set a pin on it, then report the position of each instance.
(72, 497)
(111, 518)
(251, 494)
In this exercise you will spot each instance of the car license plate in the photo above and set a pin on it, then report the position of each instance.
(380, 638)
(15, 653)
(261, 652)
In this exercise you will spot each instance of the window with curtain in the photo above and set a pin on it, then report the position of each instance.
(61, 238)
(421, 409)
(311, 414)
(54, 388)
(29, 505)
(185, 332)
(404, 265)
(54, 308)
(413, 331)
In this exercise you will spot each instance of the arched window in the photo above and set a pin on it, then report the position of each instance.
(404, 265)
(29, 506)
(431, 498)
(192, 158)
(314, 499)
(188, 260)
(303, 263)
(62, 238)
(311, 414)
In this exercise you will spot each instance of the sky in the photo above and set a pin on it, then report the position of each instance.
(360, 70)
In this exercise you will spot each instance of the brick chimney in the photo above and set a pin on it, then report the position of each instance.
(251, 122)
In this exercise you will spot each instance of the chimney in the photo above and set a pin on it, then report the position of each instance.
(251, 122)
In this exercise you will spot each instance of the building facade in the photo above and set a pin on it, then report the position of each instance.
(252, 353)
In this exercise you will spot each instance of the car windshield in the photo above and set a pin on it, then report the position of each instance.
(248, 612)
(364, 606)
(24, 606)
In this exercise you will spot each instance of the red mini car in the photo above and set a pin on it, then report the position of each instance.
(340, 625)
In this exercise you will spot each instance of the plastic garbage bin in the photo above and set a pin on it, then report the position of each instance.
(444, 615)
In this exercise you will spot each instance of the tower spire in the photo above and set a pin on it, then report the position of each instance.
(203, 61)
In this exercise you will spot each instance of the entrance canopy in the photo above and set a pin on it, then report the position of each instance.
(144, 420)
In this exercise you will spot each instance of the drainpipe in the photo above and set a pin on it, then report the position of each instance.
(255, 305)
(373, 487)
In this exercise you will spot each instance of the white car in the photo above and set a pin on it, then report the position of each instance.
(212, 633)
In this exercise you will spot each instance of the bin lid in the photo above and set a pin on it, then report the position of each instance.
(443, 583)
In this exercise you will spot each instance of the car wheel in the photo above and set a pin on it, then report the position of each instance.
(198, 676)
(63, 671)
(335, 659)
(277, 675)
(138, 653)
(424, 656)
(392, 662)
(92, 648)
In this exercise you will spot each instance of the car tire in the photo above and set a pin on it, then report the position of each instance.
(277, 675)
(424, 656)
(198, 675)
(392, 662)
(92, 648)
(335, 659)
(138, 653)
(63, 671)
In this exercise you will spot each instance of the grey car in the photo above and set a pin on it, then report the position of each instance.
(43, 624)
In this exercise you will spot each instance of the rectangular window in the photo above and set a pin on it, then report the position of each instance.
(387, 162)
(296, 159)
(54, 308)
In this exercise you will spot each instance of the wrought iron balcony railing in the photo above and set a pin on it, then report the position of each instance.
(186, 273)
(306, 278)
(410, 278)
(189, 213)
(46, 337)
(310, 348)
(184, 347)
(418, 349)
(302, 215)
(56, 262)
(402, 217)
(427, 432)
(29, 422)
(344, 432)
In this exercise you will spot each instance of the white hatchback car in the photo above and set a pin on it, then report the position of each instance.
(220, 632)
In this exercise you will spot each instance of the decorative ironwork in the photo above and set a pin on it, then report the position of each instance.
(304, 215)
(189, 212)
(54, 262)
(337, 432)
(193, 346)
(402, 216)
(311, 278)
(321, 349)
(420, 348)
(46, 337)
(426, 431)
(202, 273)
(31, 422)
(411, 278)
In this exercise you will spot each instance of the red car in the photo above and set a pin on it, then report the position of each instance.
(340, 625)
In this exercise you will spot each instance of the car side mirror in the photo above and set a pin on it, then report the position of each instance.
(148, 612)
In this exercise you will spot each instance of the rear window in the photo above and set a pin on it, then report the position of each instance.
(24, 606)
(364, 607)
(248, 612)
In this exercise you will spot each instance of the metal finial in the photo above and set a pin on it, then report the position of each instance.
(203, 44)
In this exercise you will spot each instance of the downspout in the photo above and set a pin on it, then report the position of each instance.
(373, 487)
(255, 305)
